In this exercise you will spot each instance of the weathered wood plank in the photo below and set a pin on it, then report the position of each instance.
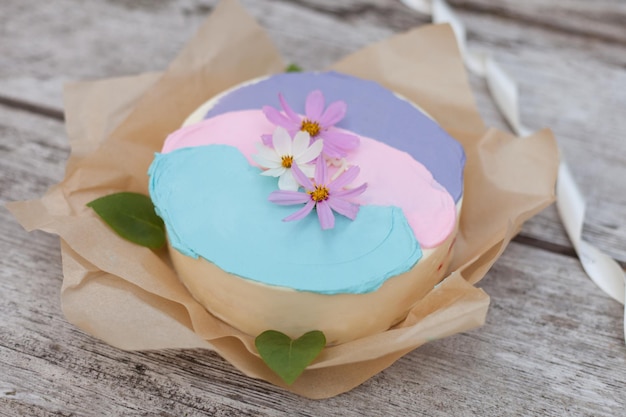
(553, 344)
(599, 20)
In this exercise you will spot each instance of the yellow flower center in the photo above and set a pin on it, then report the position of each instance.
(310, 126)
(319, 194)
(287, 161)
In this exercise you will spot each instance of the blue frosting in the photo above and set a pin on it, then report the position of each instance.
(373, 111)
(214, 204)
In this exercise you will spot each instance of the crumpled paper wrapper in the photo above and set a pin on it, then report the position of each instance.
(130, 297)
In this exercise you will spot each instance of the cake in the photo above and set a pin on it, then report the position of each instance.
(309, 201)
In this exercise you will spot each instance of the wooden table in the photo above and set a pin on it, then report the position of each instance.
(553, 343)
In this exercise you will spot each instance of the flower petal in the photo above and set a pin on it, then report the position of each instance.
(264, 163)
(333, 114)
(287, 181)
(288, 198)
(302, 179)
(282, 142)
(321, 172)
(292, 132)
(308, 170)
(325, 215)
(343, 207)
(310, 153)
(302, 213)
(277, 117)
(314, 105)
(292, 115)
(267, 152)
(352, 192)
(345, 178)
(301, 142)
(342, 140)
(274, 172)
(332, 152)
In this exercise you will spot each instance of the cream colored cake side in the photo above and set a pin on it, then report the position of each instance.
(253, 307)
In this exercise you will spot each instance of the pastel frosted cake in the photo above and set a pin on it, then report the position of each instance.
(309, 201)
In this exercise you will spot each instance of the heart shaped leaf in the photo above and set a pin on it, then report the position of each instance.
(131, 216)
(288, 357)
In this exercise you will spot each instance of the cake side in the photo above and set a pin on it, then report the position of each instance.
(360, 277)
(253, 307)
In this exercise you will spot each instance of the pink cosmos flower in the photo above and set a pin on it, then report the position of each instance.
(325, 196)
(317, 121)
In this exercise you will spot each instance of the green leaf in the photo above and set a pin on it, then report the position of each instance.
(288, 357)
(293, 68)
(132, 217)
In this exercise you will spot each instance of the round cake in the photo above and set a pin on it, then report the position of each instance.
(309, 201)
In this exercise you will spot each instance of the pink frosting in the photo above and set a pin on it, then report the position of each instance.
(394, 178)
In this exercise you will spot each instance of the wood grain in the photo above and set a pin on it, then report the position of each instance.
(553, 344)
(598, 20)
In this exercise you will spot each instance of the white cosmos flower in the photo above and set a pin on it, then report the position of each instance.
(286, 152)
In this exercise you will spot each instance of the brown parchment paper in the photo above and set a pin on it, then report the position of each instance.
(130, 297)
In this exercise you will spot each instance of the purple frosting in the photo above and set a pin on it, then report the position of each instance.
(373, 111)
